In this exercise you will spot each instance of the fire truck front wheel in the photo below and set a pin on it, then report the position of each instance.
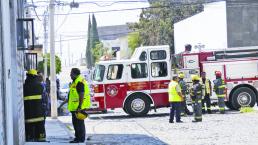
(137, 105)
(243, 96)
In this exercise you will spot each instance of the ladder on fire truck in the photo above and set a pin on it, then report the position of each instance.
(236, 53)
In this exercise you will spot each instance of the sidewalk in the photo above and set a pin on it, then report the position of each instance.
(57, 134)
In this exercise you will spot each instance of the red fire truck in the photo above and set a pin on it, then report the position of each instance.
(141, 83)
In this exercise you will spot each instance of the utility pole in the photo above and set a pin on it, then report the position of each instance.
(69, 62)
(45, 24)
(52, 60)
(61, 47)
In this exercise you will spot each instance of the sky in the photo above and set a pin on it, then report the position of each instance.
(72, 28)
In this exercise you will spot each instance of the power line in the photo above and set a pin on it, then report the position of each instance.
(66, 16)
(34, 9)
(115, 10)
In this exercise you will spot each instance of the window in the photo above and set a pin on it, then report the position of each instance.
(139, 70)
(158, 55)
(99, 73)
(115, 72)
(143, 56)
(159, 69)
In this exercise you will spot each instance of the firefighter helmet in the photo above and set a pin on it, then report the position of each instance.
(217, 73)
(181, 75)
(195, 78)
(32, 72)
(81, 115)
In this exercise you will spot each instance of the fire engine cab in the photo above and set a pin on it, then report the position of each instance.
(140, 83)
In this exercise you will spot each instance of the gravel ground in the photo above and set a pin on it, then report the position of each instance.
(117, 128)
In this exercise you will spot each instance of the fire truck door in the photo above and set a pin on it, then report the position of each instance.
(159, 76)
(115, 88)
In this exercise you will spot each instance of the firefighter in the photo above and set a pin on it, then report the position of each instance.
(183, 86)
(207, 91)
(78, 100)
(196, 95)
(220, 90)
(175, 99)
(33, 108)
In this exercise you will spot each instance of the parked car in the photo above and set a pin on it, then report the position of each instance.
(64, 91)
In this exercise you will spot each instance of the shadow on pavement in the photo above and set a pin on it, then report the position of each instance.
(127, 116)
(122, 139)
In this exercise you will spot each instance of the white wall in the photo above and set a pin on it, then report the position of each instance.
(208, 28)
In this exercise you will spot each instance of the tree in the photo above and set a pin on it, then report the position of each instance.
(94, 36)
(156, 24)
(58, 65)
(92, 41)
(134, 40)
(88, 47)
(98, 51)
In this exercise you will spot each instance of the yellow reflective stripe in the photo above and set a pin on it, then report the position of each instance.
(221, 108)
(198, 117)
(200, 101)
(222, 86)
(34, 120)
(34, 97)
(223, 95)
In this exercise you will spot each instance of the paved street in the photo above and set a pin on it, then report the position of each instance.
(116, 127)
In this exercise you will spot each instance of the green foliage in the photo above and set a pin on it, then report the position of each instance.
(98, 51)
(58, 65)
(93, 40)
(134, 40)
(156, 24)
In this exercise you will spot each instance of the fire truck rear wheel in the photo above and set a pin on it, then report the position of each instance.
(137, 105)
(243, 96)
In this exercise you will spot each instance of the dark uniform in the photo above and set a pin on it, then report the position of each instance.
(183, 86)
(220, 90)
(196, 95)
(33, 109)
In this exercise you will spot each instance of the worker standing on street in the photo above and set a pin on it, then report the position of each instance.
(207, 91)
(183, 86)
(33, 108)
(196, 95)
(78, 100)
(175, 99)
(220, 90)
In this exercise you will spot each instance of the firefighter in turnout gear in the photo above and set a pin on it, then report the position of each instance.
(207, 91)
(183, 86)
(175, 99)
(220, 90)
(196, 95)
(33, 108)
(78, 102)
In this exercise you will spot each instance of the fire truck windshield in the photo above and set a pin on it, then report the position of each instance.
(99, 73)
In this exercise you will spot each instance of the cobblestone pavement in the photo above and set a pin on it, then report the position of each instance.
(117, 128)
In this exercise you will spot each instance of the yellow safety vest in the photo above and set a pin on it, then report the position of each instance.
(206, 87)
(173, 95)
(73, 101)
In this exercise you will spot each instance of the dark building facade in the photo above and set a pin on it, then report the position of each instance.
(242, 23)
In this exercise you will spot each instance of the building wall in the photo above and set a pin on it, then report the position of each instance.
(11, 94)
(242, 18)
(207, 28)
